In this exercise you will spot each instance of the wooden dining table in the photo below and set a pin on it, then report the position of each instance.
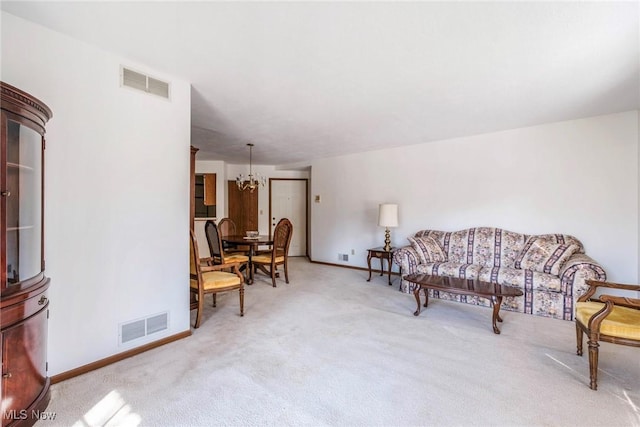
(253, 243)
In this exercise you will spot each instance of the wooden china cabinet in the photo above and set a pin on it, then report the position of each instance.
(24, 300)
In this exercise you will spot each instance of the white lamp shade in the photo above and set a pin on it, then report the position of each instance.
(388, 215)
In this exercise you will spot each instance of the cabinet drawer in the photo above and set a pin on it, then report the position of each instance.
(25, 308)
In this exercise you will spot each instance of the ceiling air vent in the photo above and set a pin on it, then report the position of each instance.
(142, 82)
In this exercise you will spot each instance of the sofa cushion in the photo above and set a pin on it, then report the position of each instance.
(487, 246)
(458, 244)
(521, 278)
(567, 239)
(428, 249)
(544, 255)
(451, 269)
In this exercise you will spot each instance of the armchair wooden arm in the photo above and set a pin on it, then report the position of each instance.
(595, 284)
(622, 301)
(206, 261)
(220, 267)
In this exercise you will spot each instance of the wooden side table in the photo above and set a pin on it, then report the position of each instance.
(380, 253)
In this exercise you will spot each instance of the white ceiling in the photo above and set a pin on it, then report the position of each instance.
(306, 80)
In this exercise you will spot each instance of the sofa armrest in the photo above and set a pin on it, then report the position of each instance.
(575, 272)
(407, 258)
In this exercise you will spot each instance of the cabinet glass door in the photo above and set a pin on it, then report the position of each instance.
(23, 203)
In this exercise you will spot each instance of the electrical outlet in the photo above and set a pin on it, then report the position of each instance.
(353, 251)
(343, 257)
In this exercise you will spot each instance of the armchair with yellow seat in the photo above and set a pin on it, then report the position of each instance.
(610, 318)
(268, 261)
(210, 279)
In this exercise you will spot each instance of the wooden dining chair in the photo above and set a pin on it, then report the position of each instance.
(211, 279)
(269, 261)
(227, 227)
(216, 249)
(609, 318)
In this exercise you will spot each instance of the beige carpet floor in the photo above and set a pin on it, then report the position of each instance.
(332, 349)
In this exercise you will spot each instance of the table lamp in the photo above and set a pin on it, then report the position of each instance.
(387, 217)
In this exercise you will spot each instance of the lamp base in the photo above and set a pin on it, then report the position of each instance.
(387, 240)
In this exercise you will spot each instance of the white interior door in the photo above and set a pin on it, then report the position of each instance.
(289, 200)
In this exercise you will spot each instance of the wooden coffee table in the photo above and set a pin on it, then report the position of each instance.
(492, 291)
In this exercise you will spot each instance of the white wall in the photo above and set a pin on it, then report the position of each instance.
(117, 193)
(577, 177)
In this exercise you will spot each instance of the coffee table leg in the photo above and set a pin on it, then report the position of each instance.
(497, 302)
(416, 293)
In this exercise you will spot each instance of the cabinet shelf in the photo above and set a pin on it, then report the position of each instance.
(21, 227)
(19, 166)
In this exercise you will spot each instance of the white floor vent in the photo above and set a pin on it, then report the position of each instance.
(139, 81)
(141, 328)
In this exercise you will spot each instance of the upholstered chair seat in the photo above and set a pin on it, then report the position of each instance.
(621, 322)
(236, 257)
(216, 280)
(266, 258)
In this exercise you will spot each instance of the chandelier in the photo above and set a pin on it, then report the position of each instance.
(252, 181)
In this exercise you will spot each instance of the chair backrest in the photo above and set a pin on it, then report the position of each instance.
(194, 260)
(215, 242)
(227, 227)
(282, 237)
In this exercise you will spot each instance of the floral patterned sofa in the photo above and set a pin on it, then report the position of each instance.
(551, 269)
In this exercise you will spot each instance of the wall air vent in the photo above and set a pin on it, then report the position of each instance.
(139, 81)
(131, 331)
(141, 328)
